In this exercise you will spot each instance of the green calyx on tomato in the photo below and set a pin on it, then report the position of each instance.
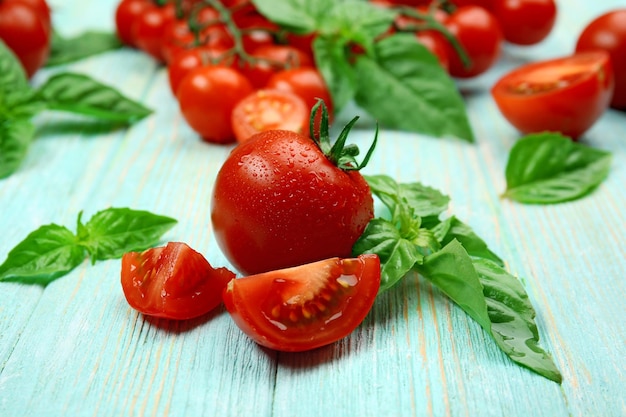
(340, 154)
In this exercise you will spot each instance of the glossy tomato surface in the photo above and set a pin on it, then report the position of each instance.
(525, 22)
(305, 307)
(25, 29)
(126, 13)
(273, 58)
(173, 282)
(207, 97)
(608, 32)
(278, 202)
(564, 95)
(269, 109)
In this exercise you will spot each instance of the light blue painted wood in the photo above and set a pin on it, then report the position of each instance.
(76, 348)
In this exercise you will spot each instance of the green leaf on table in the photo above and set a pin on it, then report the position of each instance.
(298, 16)
(80, 94)
(548, 168)
(66, 50)
(12, 75)
(112, 232)
(338, 74)
(513, 319)
(454, 229)
(44, 255)
(404, 87)
(16, 136)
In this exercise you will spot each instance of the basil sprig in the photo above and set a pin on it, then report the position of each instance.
(74, 93)
(395, 79)
(456, 260)
(65, 50)
(52, 250)
(548, 168)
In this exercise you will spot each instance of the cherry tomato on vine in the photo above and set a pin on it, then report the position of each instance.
(279, 201)
(525, 22)
(173, 282)
(487, 4)
(304, 307)
(148, 29)
(25, 29)
(207, 97)
(271, 59)
(189, 59)
(608, 32)
(478, 32)
(564, 95)
(126, 13)
(269, 109)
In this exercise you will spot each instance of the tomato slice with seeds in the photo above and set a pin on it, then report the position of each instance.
(269, 109)
(307, 306)
(564, 95)
(173, 281)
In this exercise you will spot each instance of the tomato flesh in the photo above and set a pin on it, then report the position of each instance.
(564, 95)
(172, 282)
(304, 307)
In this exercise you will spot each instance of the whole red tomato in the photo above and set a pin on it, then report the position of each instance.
(207, 97)
(126, 13)
(186, 60)
(307, 306)
(608, 32)
(273, 58)
(148, 28)
(279, 201)
(525, 22)
(479, 34)
(564, 95)
(25, 29)
(173, 282)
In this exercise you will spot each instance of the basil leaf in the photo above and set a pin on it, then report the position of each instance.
(338, 74)
(15, 138)
(454, 229)
(80, 94)
(404, 87)
(66, 50)
(112, 232)
(452, 271)
(548, 168)
(298, 16)
(512, 317)
(12, 75)
(44, 255)
(397, 254)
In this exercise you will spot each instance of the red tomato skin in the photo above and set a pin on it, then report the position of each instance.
(608, 32)
(274, 58)
(26, 32)
(250, 300)
(278, 202)
(525, 22)
(207, 97)
(571, 110)
(187, 60)
(126, 13)
(479, 33)
(436, 44)
(173, 282)
(149, 27)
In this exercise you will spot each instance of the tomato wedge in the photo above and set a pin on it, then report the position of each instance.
(269, 109)
(173, 282)
(564, 95)
(305, 307)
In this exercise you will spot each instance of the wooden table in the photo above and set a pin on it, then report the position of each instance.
(75, 347)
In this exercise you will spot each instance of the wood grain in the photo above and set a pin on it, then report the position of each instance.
(76, 348)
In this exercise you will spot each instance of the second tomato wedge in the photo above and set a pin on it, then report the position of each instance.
(564, 95)
(269, 109)
(305, 307)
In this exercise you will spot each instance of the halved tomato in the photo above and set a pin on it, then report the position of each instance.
(564, 95)
(173, 282)
(269, 109)
(305, 307)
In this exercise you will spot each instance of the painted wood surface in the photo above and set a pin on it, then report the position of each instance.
(75, 348)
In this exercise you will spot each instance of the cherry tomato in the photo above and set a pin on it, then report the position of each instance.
(278, 201)
(25, 29)
(173, 282)
(608, 32)
(478, 32)
(564, 95)
(207, 97)
(268, 109)
(189, 59)
(271, 59)
(148, 29)
(126, 13)
(487, 4)
(436, 44)
(305, 307)
(525, 22)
